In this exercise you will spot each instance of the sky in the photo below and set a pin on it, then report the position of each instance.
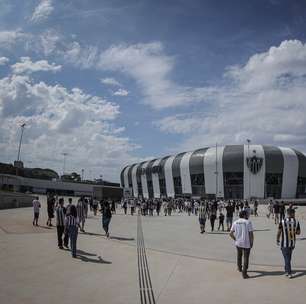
(116, 82)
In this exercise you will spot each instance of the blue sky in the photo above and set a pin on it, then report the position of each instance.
(115, 82)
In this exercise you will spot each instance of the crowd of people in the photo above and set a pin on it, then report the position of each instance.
(72, 218)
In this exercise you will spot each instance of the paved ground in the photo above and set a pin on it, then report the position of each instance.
(182, 265)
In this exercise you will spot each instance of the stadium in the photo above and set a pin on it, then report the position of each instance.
(230, 172)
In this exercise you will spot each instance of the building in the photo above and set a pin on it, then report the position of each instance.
(40, 186)
(233, 171)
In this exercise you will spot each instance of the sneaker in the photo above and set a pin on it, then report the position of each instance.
(245, 276)
(290, 276)
(239, 269)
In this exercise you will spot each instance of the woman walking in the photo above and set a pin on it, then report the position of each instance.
(106, 217)
(71, 225)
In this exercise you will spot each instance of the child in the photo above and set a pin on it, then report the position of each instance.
(221, 221)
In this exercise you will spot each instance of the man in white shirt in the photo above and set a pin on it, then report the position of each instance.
(242, 233)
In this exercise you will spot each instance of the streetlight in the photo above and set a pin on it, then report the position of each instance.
(20, 141)
(216, 170)
(64, 165)
(249, 141)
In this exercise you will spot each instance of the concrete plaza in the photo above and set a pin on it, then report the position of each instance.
(184, 265)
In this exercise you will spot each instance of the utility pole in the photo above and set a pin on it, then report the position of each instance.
(20, 141)
(249, 141)
(216, 170)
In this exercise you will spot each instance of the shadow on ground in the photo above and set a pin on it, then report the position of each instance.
(260, 273)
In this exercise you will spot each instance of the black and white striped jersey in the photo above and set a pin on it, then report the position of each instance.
(289, 227)
(60, 216)
(71, 221)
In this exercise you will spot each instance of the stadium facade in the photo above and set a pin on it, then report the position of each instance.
(232, 171)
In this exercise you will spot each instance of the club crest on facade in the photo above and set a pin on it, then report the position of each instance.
(254, 163)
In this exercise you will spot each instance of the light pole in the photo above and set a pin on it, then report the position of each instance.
(20, 141)
(249, 141)
(64, 165)
(216, 170)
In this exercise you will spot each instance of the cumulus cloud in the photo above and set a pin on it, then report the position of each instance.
(8, 39)
(27, 66)
(264, 100)
(110, 81)
(151, 68)
(42, 11)
(60, 120)
(4, 60)
(83, 57)
(121, 92)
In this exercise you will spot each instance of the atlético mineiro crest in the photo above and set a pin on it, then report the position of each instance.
(254, 163)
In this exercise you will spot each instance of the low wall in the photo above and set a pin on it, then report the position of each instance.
(10, 200)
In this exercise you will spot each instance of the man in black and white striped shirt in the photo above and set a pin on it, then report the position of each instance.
(286, 237)
(60, 222)
(203, 214)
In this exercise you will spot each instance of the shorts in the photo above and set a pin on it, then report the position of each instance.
(202, 221)
(36, 215)
(229, 220)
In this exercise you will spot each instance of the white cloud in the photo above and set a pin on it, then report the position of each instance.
(4, 60)
(27, 66)
(264, 99)
(110, 81)
(79, 56)
(42, 11)
(121, 92)
(151, 69)
(60, 120)
(8, 39)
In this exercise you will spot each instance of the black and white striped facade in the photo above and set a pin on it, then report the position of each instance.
(233, 171)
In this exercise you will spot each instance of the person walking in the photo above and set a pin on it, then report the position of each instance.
(230, 209)
(66, 234)
(106, 218)
(203, 213)
(286, 237)
(71, 225)
(133, 206)
(81, 213)
(158, 206)
(125, 206)
(256, 208)
(50, 209)
(276, 209)
(282, 210)
(221, 221)
(95, 204)
(60, 223)
(36, 209)
(69, 205)
(242, 233)
(113, 209)
(196, 208)
(213, 215)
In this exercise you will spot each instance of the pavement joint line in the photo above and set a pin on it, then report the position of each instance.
(168, 279)
(145, 283)
(4, 230)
